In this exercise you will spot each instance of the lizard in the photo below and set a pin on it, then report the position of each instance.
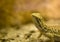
(52, 33)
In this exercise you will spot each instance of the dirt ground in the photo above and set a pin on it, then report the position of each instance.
(26, 33)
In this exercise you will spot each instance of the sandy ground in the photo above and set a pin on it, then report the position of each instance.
(21, 35)
(26, 33)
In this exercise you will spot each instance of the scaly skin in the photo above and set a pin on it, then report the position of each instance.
(50, 32)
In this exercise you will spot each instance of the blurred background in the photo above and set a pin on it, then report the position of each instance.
(16, 20)
(20, 10)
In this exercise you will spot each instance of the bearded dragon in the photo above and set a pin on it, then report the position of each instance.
(50, 32)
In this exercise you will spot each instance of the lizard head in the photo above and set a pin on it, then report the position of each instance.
(37, 15)
(38, 21)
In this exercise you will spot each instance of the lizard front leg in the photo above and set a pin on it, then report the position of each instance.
(50, 36)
